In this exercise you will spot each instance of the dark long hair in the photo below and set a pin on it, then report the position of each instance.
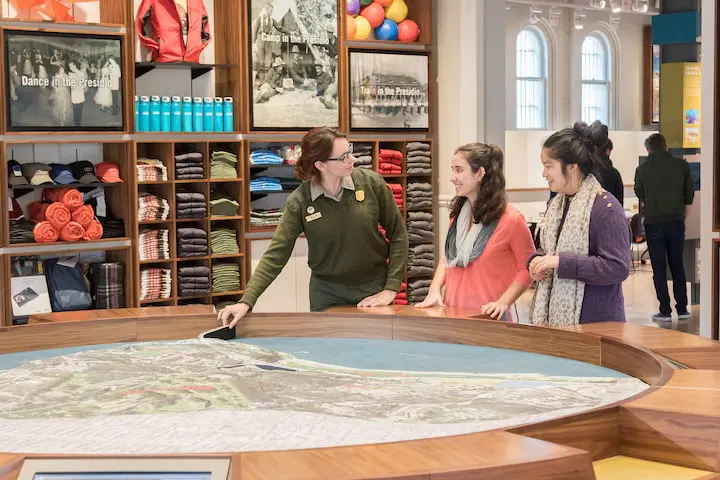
(316, 145)
(491, 200)
(582, 145)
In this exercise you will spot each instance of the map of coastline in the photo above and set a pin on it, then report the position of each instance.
(206, 381)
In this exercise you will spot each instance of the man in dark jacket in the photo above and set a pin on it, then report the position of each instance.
(610, 177)
(664, 187)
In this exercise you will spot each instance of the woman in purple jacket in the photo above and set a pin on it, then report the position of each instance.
(584, 253)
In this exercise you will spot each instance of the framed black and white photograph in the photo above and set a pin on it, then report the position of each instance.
(61, 81)
(293, 64)
(389, 90)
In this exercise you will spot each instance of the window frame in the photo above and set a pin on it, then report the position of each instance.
(543, 80)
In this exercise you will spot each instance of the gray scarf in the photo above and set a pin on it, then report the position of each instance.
(459, 252)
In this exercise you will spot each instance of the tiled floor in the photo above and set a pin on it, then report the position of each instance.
(640, 303)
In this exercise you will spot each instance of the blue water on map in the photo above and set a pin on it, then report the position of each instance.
(388, 355)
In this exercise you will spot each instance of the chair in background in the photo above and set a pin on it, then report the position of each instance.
(637, 232)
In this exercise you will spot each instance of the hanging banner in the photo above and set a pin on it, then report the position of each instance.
(680, 104)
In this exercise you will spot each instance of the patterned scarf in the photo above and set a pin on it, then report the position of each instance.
(466, 242)
(558, 301)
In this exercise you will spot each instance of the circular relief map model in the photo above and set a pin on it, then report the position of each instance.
(282, 393)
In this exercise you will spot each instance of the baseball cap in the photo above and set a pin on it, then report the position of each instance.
(37, 173)
(108, 172)
(60, 173)
(83, 171)
(15, 174)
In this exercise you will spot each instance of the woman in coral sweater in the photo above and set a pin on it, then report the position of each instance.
(488, 241)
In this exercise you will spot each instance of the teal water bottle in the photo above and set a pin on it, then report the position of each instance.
(197, 114)
(187, 114)
(218, 116)
(165, 114)
(137, 113)
(144, 114)
(155, 113)
(228, 114)
(208, 114)
(176, 110)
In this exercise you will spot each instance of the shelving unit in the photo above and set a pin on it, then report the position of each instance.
(223, 72)
(168, 189)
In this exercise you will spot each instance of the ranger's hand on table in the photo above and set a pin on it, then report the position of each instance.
(380, 299)
(232, 314)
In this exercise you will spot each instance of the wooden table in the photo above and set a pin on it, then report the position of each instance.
(676, 421)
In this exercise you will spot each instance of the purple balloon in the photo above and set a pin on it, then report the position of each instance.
(352, 7)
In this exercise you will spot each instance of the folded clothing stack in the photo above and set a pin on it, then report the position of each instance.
(151, 170)
(363, 155)
(222, 205)
(193, 281)
(419, 159)
(401, 298)
(421, 258)
(112, 227)
(151, 207)
(223, 164)
(265, 184)
(418, 289)
(106, 285)
(190, 205)
(263, 156)
(397, 190)
(191, 242)
(155, 283)
(420, 229)
(225, 277)
(223, 241)
(189, 166)
(390, 162)
(269, 217)
(419, 196)
(21, 231)
(154, 244)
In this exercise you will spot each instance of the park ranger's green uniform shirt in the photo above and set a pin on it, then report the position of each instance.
(345, 245)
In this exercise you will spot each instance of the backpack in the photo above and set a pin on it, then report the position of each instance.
(160, 28)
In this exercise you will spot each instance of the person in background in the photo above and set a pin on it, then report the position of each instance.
(610, 178)
(338, 208)
(488, 241)
(584, 253)
(664, 187)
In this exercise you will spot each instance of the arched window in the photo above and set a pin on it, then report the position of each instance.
(595, 73)
(530, 79)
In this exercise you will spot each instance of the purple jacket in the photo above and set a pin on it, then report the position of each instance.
(607, 264)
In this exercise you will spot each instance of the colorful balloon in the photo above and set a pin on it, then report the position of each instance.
(365, 3)
(397, 11)
(408, 31)
(384, 3)
(362, 28)
(374, 13)
(387, 31)
(350, 27)
(352, 7)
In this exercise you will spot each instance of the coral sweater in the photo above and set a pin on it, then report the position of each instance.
(501, 263)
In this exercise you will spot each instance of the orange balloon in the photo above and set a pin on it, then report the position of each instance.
(384, 3)
(374, 13)
(350, 27)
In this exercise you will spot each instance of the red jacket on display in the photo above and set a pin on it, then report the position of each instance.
(176, 36)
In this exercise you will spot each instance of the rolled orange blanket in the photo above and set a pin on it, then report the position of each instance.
(36, 211)
(69, 196)
(83, 215)
(58, 214)
(72, 232)
(44, 232)
(94, 231)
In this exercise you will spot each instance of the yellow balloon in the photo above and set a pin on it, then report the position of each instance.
(362, 28)
(397, 11)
